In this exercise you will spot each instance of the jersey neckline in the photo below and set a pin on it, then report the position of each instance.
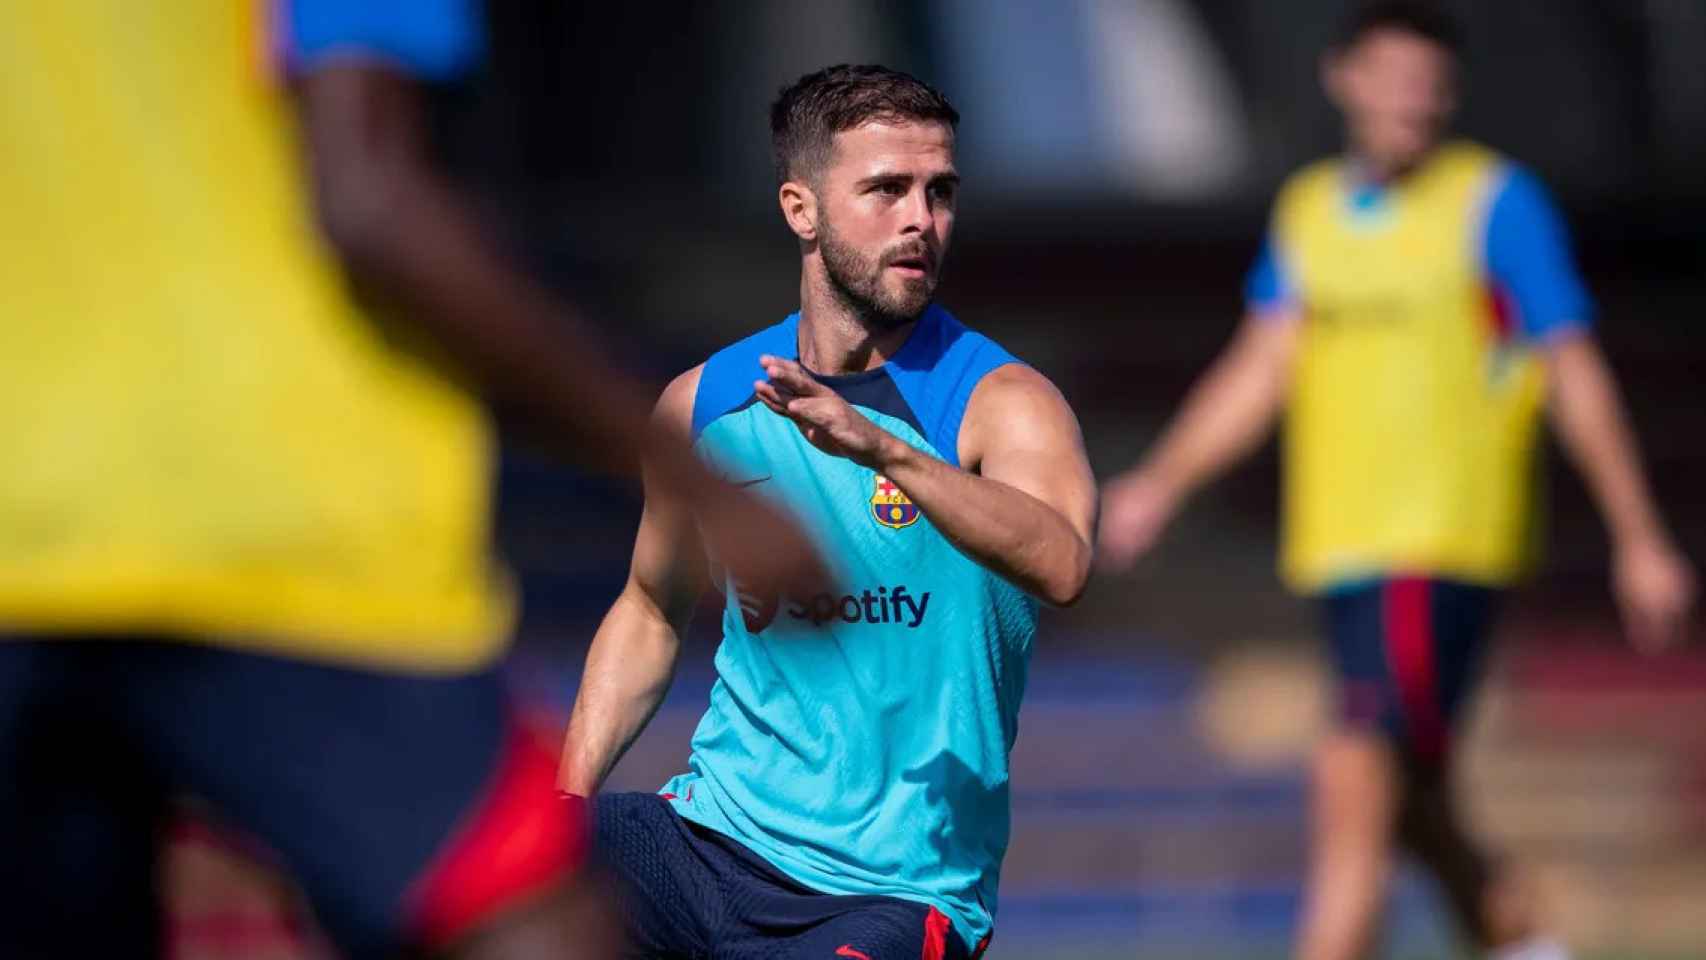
(908, 346)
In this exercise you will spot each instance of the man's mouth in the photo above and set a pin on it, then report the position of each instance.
(911, 266)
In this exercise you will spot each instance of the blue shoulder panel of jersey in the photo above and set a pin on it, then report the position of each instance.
(431, 39)
(936, 372)
(875, 390)
(726, 382)
(1527, 250)
(1269, 287)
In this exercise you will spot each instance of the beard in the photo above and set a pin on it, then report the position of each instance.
(857, 281)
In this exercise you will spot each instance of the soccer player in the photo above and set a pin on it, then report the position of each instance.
(847, 790)
(243, 520)
(1413, 310)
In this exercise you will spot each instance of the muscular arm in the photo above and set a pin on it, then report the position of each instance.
(1227, 414)
(1024, 506)
(1653, 583)
(633, 655)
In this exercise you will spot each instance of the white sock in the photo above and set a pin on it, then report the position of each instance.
(1534, 948)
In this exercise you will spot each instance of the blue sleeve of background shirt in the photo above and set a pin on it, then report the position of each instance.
(1528, 255)
(431, 39)
(1270, 287)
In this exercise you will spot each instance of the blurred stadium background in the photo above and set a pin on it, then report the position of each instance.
(1119, 156)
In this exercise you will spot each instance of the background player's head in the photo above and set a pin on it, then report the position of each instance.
(1393, 74)
(865, 156)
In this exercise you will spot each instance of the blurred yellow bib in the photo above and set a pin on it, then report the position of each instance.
(203, 436)
(1410, 438)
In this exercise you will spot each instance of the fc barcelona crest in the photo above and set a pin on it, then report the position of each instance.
(890, 507)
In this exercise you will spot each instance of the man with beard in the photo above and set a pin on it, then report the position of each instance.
(847, 790)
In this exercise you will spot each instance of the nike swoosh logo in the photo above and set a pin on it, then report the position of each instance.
(752, 483)
(846, 950)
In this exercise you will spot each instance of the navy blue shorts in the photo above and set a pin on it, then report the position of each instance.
(689, 893)
(1409, 653)
(395, 800)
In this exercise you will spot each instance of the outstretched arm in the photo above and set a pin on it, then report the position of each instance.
(633, 655)
(1226, 416)
(1025, 504)
(1653, 582)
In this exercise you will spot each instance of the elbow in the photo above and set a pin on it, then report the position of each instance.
(1064, 595)
(1066, 589)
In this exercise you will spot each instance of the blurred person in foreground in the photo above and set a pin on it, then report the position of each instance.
(1414, 309)
(244, 544)
(847, 790)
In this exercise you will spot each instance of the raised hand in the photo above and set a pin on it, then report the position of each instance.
(827, 421)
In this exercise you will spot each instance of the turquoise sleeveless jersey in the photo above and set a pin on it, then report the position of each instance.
(858, 740)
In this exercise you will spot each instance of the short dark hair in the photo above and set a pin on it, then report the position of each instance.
(809, 112)
(1429, 21)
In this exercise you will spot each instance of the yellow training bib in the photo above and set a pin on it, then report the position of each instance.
(1410, 437)
(203, 436)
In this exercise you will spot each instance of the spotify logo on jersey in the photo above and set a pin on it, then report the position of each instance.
(887, 605)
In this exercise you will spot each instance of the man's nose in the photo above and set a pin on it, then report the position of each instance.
(918, 213)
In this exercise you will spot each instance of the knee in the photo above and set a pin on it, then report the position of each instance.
(1354, 784)
(1354, 763)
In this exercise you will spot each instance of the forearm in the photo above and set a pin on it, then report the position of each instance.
(1594, 430)
(409, 239)
(628, 671)
(1229, 412)
(521, 347)
(1000, 526)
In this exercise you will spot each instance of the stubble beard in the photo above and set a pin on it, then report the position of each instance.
(856, 281)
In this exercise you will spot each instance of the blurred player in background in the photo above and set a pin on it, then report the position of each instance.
(244, 544)
(1413, 310)
(847, 793)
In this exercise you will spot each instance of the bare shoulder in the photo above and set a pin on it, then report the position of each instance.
(674, 408)
(1018, 405)
(1017, 390)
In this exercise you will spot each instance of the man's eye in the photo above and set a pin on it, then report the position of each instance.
(891, 190)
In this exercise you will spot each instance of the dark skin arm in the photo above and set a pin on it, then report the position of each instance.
(407, 235)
